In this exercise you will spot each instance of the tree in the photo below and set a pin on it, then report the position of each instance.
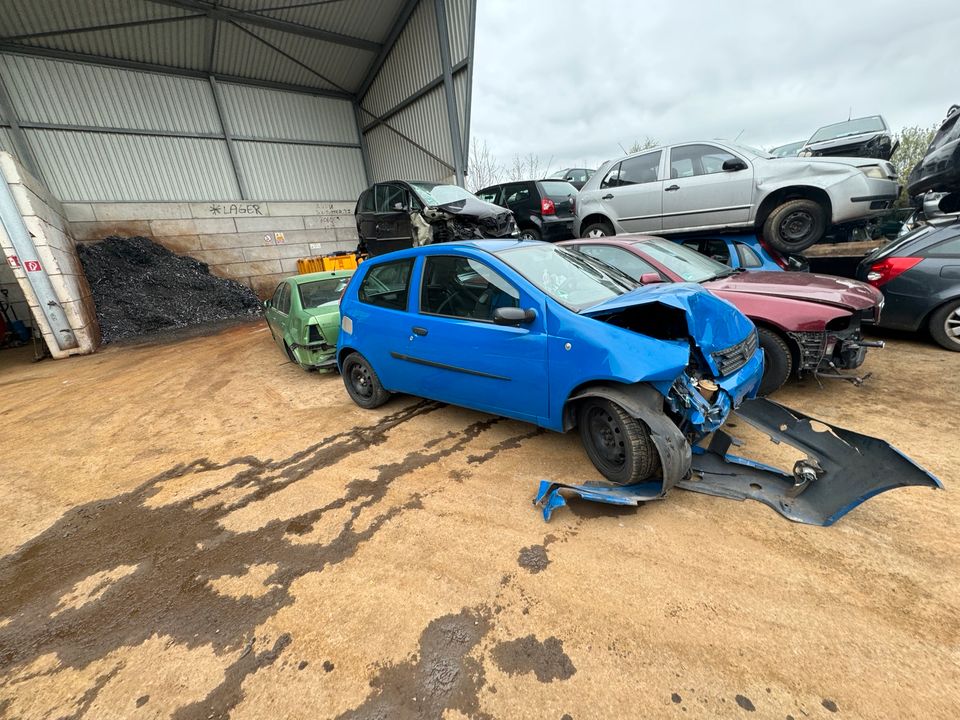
(913, 146)
(528, 167)
(484, 169)
(645, 144)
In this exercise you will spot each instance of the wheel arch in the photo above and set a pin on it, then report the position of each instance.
(792, 192)
(784, 335)
(596, 217)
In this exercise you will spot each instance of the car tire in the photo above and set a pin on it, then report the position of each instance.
(290, 356)
(795, 225)
(944, 326)
(777, 361)
(618, 445)
(597, 229)
(362, 384)
(529, 234)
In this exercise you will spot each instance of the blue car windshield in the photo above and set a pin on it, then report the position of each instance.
(568, 277)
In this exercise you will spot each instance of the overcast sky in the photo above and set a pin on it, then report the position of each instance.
(569, 79)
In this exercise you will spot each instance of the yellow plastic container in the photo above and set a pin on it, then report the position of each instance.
(337, 261)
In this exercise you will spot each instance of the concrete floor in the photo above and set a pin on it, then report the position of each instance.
(201, 530)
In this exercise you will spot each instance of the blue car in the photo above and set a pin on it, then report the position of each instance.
(743, 251)
(540, 333)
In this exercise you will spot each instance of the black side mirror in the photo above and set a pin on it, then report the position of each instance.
(734, 164)
(514, 316)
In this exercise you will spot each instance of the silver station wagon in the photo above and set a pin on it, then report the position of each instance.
(695, 186)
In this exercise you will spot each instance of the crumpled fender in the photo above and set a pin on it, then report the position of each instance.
(643, 402)
(843, 468)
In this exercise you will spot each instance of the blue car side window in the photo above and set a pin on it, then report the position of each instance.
(461, 287)
(387, 285)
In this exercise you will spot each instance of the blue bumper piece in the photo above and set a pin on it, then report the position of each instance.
(549, 498)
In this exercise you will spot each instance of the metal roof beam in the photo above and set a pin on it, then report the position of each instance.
(453, 114)
(398, 27)
(166, 70)
(98, 28)
(432, 85)
(224, 13)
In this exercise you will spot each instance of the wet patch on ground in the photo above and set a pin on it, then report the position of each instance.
(533, 559)
(511, 443)
(440, 677)
(546, 659)
(179, 547)
(745, 703)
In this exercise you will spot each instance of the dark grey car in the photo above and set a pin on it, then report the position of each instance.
(919, 276)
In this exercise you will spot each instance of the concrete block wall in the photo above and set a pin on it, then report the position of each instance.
(44, 217)
(256, 243)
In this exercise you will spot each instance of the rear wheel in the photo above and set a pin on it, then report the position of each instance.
(945, 326)
(363, 385)
(777, 361)
(618, 445)
(795, 225)
(530, 234)
(597, 230)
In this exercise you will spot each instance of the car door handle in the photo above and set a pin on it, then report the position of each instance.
(608, 196)
(419, 331)
(672, 188)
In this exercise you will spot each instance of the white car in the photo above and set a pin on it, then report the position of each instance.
(713, 186)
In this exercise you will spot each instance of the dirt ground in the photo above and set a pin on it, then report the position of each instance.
(202, 530)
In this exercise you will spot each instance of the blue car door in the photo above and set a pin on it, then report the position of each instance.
(458, 354)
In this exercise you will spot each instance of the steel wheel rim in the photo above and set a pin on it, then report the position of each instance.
(607, 438)
(951, 325)
(361, 381)
(596, 233)
(526, 235)
(796, 226)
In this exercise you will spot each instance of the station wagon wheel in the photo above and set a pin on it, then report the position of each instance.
(362, 384)
(795, 225)
(529, 234)
(945, 326)
(619, 445)
(597, 230)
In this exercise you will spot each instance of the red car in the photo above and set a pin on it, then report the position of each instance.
(805, 322)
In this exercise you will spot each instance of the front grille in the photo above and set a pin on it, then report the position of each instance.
(812, 347)
(731, 359)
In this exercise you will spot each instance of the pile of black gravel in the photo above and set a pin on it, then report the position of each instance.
(140, 287)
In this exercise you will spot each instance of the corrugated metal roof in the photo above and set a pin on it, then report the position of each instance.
(367, 19)
(458, 29)
(179, 44)
(393, 159)
(412, 64)
(6, 142)
(301, 172)
(81, 94)
(95, 167)
(259, 112)
(425, 122)
(22, 17)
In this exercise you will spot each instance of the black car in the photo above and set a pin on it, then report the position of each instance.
(544, 209)
(868, 137)
(400, 214)
(575, 176)
(919, 276)
(940, 168)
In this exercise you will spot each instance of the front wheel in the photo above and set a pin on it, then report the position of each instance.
(777, 362)
(795, 225)
(618, 445)
(596, 230)
(945, 326)
(363, 385)
(530, 234)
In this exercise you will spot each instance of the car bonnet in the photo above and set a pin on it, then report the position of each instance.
(713, 323)
(810, 287)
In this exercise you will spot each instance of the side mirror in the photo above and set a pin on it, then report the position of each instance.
(514, 316)
(266, 303)
(734, 164)
(650, 279)
(400, 207)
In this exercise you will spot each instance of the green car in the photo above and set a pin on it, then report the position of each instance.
(304, 317)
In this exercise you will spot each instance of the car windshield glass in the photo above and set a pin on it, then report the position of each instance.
(850, 127)
(554, 189)
(687, 263)
(748, 149)
(566, 276)
(320, 292)
(433, 194)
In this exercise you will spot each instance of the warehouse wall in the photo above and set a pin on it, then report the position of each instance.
(104, 134)
(257, 243)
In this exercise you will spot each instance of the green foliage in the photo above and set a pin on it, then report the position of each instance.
(913, 145)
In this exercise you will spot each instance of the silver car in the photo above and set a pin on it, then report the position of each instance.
(721, 185)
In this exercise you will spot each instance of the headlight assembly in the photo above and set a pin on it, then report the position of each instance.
(874, 171)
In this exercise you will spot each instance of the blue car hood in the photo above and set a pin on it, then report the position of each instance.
(714, 324)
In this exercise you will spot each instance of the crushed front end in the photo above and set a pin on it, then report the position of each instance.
(840, 346)
(447, 224)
